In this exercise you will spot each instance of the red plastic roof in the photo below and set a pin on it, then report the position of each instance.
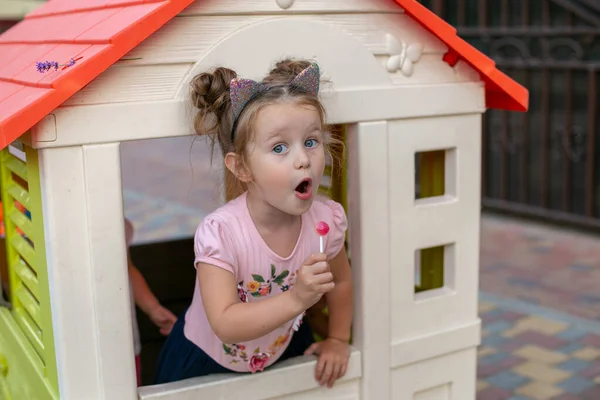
(502, 92)
(99, 32)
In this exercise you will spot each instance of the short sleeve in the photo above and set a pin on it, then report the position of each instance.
(213, 244)
(337, 231)
(128, 232)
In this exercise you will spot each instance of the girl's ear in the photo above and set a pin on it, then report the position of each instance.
(235, 164)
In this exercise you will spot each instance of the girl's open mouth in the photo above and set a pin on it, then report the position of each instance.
(304, 189)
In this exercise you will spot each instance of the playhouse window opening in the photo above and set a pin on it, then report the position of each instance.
(434, 269)
(434, 173)
(169, 185)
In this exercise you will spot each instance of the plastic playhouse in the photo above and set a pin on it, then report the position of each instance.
(407, 95)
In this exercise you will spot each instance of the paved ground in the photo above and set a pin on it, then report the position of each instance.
(540, 299)
(539, 306)
(532, 353)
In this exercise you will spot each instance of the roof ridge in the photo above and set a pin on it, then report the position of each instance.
(76, 10)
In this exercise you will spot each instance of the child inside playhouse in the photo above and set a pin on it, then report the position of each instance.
(258, 262)
(142, 296)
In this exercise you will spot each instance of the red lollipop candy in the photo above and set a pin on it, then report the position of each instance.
(322, 229)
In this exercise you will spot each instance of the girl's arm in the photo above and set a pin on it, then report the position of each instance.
(340, 299)
(235, 322)
(142, 295)
(146, 300)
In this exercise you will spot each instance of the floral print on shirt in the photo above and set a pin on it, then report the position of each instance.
(258, 359)
(260, 286)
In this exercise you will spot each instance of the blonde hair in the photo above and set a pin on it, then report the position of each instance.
(210, 95)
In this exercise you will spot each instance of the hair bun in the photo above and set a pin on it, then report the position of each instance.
(285, 71)
(210, 94)
(210, 91)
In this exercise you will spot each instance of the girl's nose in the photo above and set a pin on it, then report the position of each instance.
(302, 160)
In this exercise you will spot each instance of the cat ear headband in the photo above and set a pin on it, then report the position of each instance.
(242, 91)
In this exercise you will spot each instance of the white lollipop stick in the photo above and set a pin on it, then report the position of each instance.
(321, 244)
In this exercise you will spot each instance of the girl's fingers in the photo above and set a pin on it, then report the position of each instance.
(344, 369)
(320, 368)
(327, 373)
(325, 277)
(337, 369)
(326, 287)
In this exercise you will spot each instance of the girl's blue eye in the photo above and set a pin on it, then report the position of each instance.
(311, 143)
(279, 148)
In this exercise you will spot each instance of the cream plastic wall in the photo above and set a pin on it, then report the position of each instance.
(434, 333)
(390, 85)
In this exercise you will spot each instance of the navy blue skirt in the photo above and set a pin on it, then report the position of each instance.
(181, 359)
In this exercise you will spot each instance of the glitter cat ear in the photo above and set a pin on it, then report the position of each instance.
(241, 91)
(308, 79)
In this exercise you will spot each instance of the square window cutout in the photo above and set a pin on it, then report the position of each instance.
(434, 271)
(435, 174)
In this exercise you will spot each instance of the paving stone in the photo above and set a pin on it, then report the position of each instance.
(539, 391)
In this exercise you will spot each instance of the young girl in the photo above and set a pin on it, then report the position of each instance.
(259, 267)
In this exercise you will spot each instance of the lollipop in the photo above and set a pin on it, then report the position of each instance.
(322, 230)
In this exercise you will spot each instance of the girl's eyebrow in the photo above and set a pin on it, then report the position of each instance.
(312, 128)
(273, 135)
(278, 133)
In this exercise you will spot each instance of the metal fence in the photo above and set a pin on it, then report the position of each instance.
(543, 163)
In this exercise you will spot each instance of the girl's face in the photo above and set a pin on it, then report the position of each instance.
(286, 158)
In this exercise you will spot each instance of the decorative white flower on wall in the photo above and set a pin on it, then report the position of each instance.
(284, 4)
(402, 55)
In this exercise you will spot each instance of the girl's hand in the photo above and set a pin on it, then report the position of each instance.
(333, 360)
(313, 280)
(162, 318)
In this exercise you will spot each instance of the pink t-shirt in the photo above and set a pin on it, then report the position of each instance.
(228, 239)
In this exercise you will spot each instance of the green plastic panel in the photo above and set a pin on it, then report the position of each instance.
(432, 183)
(27, 356)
